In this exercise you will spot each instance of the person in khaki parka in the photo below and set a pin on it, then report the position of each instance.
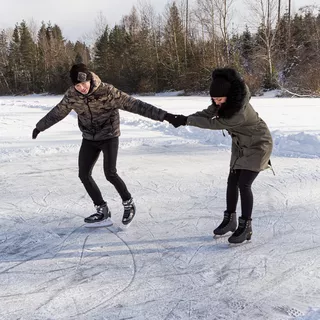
(97, 105)
(251, 145)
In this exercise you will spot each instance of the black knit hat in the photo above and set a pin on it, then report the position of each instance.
(219, 87)
(80, 73)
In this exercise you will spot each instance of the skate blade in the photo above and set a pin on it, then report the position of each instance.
(246, 242)
(218, 236)
(126, 226)
(104, 223)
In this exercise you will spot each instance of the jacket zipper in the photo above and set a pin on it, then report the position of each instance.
(87, 103)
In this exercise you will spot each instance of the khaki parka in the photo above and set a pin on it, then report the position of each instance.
(251, 139)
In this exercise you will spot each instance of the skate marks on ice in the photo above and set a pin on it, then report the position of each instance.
(49, 270)
(115, 230)
(179, 271)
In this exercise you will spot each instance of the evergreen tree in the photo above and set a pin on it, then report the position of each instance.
(14, 60)
(119, 41)
(28, 58)
(4, 53)
(102, 56)
(247, 48)
(82, 54)
(42, 75)
(173, 49)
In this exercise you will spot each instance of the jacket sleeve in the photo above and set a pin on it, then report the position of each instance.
(205, 120)
(209, 112)
(125, 102)
(60, 111)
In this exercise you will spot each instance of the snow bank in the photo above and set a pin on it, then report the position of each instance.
(170, 94)
(295, 145)
(299, 145)
(295, 134)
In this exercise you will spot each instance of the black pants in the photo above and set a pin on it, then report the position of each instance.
(240, 180)
(88, 156)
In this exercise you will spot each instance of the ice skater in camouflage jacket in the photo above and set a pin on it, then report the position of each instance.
(97, 105)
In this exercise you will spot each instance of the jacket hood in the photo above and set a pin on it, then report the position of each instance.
(238, 92)
(95, 83)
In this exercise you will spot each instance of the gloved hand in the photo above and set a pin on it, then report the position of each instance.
(35, 133)
(176, 120)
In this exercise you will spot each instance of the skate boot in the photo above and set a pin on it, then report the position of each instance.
(102, 218)
(243, 232)
(229, 223)
(129, 211)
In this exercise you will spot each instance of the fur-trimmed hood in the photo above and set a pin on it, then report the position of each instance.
(236, 98)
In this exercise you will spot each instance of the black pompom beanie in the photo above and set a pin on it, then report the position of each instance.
(219, 87)
(80, 73)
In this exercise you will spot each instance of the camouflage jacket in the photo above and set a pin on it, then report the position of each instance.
(98, 111)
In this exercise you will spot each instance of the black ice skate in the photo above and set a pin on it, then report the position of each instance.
(129, 211)
(102, 218)
(228, 224)
(243, 232)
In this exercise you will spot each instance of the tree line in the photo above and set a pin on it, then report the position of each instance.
(176, 50)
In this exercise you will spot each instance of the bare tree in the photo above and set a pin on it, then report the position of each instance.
(99, 28)
(265, 19)
(206, 15)
(215, 17)
(224, 10)
(186, 34)
(289, 22)
(33, 28)
(152, 21)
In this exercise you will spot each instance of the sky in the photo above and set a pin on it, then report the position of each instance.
(166, 265)
(77, 18)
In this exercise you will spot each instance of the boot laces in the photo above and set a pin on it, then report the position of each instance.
(241, 228)
(128, 208)
(127, 204)
(100, 209)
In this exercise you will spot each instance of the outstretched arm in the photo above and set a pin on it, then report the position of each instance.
(60, 111)
(215, 123)
(126, 102)
(210, 112)
(209, 119)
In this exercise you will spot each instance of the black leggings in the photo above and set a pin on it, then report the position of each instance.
(240, 180)
(88, 156)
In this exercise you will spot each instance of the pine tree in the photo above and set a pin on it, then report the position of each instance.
(28, 58)
(81, 52)
(173, 49)
(102, 56)
(4, 53)
(59, 63)
(140, 61)
(119, 41)
(14, 60)
(247, 47)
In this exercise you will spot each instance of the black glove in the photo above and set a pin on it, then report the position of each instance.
(35, 133)
(176, 120)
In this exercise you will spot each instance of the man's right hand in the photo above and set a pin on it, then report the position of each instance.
(35, 133)
(176, 120)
